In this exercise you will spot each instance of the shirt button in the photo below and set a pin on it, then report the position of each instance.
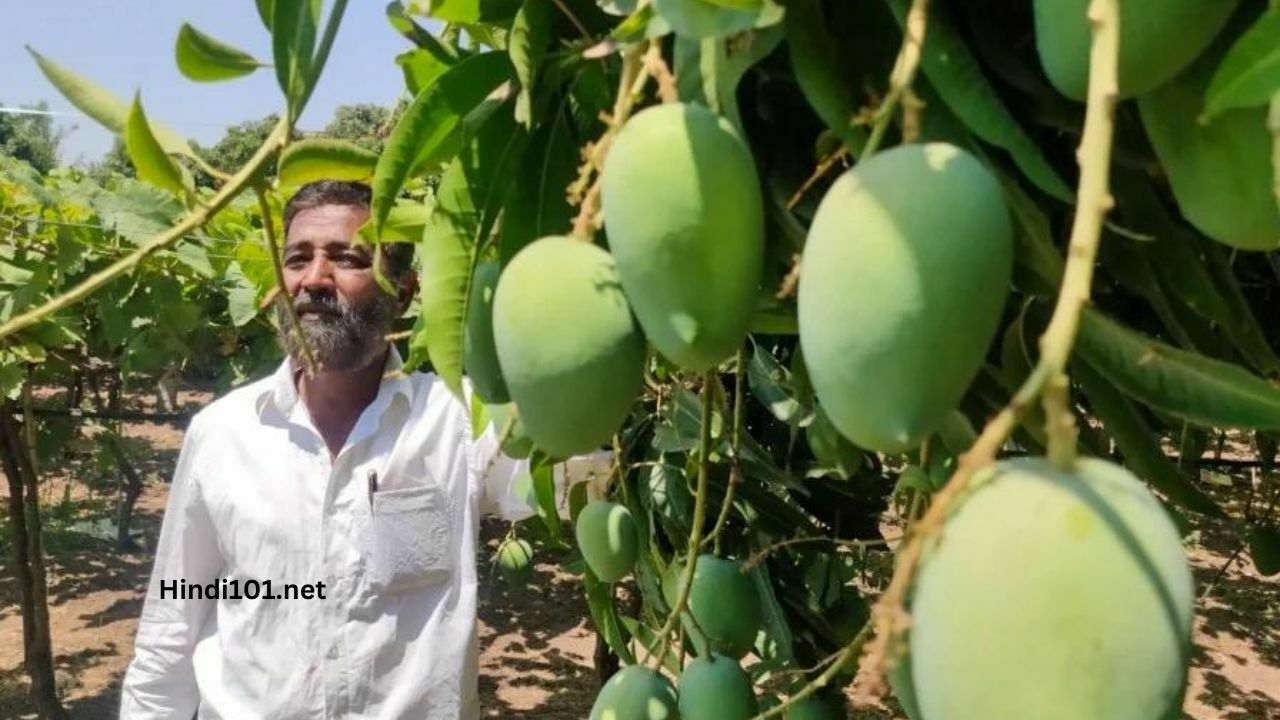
(333, 653)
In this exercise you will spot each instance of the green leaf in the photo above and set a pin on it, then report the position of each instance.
(778, 639)
(148, 156)
(324, 158)
(266, 9)
(527, 44)
(1138, 445)
(97, 103)
(430, 132)
(604, 615)
(537, 205)
(405, 223)
(702, 19)
(421, 69)
(293, 41)
(815, 60)
(205, 59)
(470, 193)
(473, 11)
(1250, 73)
(1187, 385)
(1264, 547)
(648, 638)
(195, 257)
(771, 385)
(242, 298)
(416, 34)
(958, 78)
(544, 488)
(738, 4)
(708, 70)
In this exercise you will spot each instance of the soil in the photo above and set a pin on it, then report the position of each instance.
(537, 640)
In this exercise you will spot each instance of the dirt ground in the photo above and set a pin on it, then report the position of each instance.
(537, 641)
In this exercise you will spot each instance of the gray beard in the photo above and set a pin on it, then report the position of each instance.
(345, 342)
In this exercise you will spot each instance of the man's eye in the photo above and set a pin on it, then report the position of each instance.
(295, 261)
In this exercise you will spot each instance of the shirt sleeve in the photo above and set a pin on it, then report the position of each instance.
(160, 681)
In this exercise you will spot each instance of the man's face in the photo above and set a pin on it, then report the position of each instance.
(344, 315)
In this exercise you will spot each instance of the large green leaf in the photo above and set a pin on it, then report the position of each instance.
(709, 69)
(815, 60)
(537, 206)
(205, 59)
(420, 69)
(293, 43)
(149, 158)
(604, 615)
(527, 44)
(470, 11)
(430, 131)
(266, 8)
(702, 19)
(1138, 445)
(1189, 386)
(958, 78)
(97, 103)
(471, 191)
(1250, 73)
(325, 158)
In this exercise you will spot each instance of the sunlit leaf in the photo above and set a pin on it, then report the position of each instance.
(203, 58)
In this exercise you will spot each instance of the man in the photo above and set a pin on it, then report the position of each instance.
(355, 491)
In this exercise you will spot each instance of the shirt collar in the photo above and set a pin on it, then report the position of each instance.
(282, 391)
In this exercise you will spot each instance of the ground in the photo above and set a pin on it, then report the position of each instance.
(537, 641)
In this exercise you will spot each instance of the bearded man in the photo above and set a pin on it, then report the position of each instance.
(346, 502)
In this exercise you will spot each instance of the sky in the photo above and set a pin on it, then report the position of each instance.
(124, 45)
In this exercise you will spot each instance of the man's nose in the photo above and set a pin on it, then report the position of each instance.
(318, 273)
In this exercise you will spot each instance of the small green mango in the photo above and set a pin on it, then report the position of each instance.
(567, 344)
(608, 539)
(716, 688)
(515, 560)
(1158, 38)
(685, 218)
(1055, 595)
(723, 604)
(636, 693)
(814, 708)
(1221, 173)
(479, 356)
(903, 280)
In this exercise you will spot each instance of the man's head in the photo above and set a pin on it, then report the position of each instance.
(345, 315)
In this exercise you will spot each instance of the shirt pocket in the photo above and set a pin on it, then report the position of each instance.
(411, 539)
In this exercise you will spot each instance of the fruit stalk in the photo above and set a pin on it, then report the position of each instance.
(904, 72)
(699, 518)
(238, 182)
(735, 471)
(1094, 201)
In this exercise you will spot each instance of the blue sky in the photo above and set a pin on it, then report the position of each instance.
(127, 44)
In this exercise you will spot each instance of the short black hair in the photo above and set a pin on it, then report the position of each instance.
(355, 194)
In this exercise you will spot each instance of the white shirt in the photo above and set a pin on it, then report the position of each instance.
(256, 498)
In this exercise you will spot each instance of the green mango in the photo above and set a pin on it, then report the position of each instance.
(567, 344)
(636, 693)
(1051, 594)
(515, 560)
(1221, 173)
(479, 356)
(716, 688)
(903, 280)
(608, 539)
(1158, 38)
(685, 219)
(723, 604)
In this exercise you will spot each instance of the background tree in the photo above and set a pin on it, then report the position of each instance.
(32, 138)
(364, 124)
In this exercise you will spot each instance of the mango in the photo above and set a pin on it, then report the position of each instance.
(636, 693)
(1050, 594)
(722, 602)
(715, 687)
(608, 540)
(904, 276)
(685, 219)
(567, 344)
(515, 560)
(479, 356)
(1158, 38)
(1221, 173)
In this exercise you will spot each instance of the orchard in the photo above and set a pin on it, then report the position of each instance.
(1001, 271)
